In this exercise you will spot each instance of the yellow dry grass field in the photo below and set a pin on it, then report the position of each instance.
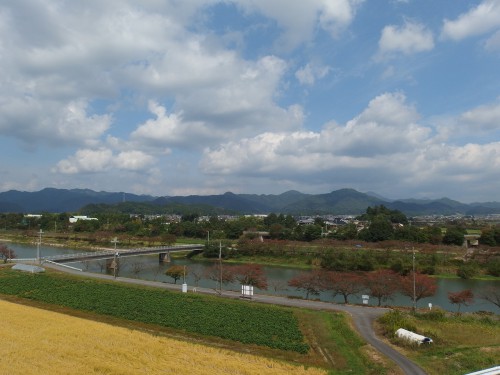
(36, 341)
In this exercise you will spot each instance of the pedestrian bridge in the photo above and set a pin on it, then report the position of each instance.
(162, 251)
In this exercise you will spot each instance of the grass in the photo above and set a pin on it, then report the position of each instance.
(462, 343)
(333, 341)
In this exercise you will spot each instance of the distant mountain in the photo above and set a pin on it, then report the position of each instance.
(338, 202)
(61, 200)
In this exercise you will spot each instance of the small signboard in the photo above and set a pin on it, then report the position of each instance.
(247, 290)
(365, 298)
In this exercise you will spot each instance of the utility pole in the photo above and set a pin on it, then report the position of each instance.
(115, 258)
(414, 287)
(38, 246)
(220, 267)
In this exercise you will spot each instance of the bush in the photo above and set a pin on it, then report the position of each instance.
(437, 315)
(468, 271)
(396, 319)
(493, 267)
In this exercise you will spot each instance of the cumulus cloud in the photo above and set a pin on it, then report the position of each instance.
(408, 39)
(308, 74)
(102, 160)
(479, 20)
(387, 126)
(383, 143)
(51, 122)
(301, 17)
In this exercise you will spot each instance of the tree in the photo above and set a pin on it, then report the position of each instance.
(382, 284)
(464, 297)
(425, 286)
(345, 284)
(491, 294)
(250, 274)
(310, 282)
(219, 274)
(175, 272)
(6, 253)
(454, 236)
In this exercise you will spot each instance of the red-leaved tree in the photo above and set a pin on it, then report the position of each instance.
(250, 274)
(6, 253)
(382, 284)
(464, 297)
(219, 274)
(311, 282)
(345, 284)
(425, 286)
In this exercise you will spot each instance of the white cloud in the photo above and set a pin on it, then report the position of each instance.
(298, 19)
(383, 144)
(308, 74)
(102, 160)
(408, 39)
(480, 20)
(493, 43)
(50, 122)
(484, 117)
(386, 127)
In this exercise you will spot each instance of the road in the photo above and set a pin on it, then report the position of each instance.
(363, 317)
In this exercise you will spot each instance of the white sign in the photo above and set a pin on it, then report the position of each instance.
(247, 290)
(365, 299)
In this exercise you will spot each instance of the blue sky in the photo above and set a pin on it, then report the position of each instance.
(397, 97)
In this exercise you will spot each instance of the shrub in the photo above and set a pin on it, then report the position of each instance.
(468, 271)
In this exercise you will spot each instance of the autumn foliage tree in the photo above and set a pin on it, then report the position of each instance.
(250, 274)
(175, 272)
(220, 274)
(464, 297)
(313, 283)
(382, 284)
(6, 253)
(345, 284)
(425, 286)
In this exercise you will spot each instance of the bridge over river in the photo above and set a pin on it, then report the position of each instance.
(162, 251)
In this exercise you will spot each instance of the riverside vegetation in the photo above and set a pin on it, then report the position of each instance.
(462, 343)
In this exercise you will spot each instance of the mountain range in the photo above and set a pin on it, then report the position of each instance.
(338, 202)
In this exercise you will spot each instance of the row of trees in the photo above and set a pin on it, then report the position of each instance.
(380, 284)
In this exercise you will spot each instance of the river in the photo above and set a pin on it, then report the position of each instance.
(148, 268)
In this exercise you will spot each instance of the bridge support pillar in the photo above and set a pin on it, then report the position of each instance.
(164, 257)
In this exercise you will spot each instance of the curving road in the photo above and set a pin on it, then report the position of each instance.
(363, 317)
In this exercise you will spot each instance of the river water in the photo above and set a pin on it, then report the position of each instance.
(148, 268)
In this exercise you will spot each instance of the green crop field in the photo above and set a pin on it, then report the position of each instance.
(271, 326)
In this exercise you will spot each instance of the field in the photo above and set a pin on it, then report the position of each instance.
(462, 343)
(271, 326)
(316, 339)
(36, 341)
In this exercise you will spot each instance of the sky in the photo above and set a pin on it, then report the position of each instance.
(170, 97)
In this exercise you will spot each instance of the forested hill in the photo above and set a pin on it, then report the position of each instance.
(338, 202)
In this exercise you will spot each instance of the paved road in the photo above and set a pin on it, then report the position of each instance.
(363, 317)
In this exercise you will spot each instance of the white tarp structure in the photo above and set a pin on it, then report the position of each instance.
(489, 371)
(28, 268)
(412, 336)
